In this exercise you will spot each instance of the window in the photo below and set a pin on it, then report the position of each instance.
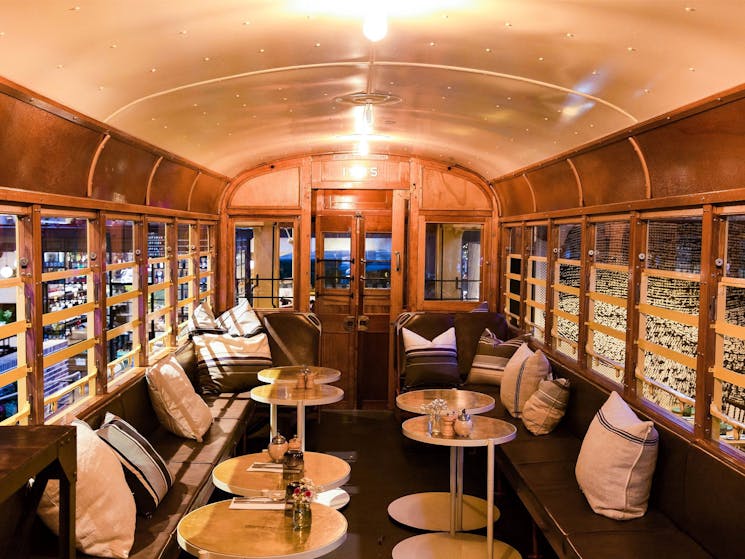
(68, 302)
(377, 270)
(513, 265)
(185, 286)
(160, 284)
(122, 298)
(567, 279)
(607, 294)
(452, 262)
(728, 399)
(206, 263)
(264, 264)
(668, 314)
(14, 403)
(537, 274)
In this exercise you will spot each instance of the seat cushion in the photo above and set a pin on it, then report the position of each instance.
(178, 407)
(545, 408)
(492, 356)
(617, 460)
(430, 363)
(105, 513)
(522, 375)
(230, 364)
(240, 320)
(145, 471)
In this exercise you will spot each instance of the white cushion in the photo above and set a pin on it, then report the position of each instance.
(144, 469)
(231, 363)
(545, 408)
(105, 512)
(203, 317)
(617, 460)
(240, 320)
(178, 407)
(430, 363)
(522, 375)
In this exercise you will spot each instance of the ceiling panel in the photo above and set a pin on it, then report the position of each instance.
(490, 85)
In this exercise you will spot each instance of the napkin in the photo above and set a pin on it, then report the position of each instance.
(266, 467)
(257, 503)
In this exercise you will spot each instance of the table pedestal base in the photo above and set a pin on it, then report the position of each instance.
(440, 545)
(431, 511)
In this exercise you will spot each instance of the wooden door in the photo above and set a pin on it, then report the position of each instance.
(353, 260)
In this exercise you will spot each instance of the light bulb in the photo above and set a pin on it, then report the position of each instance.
(363, 147)
(375, 26)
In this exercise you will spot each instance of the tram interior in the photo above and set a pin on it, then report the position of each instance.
(573, 168)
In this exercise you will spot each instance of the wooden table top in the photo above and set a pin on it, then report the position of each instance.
(326, 472)
(486, 430)
(472, 402)
(324, 375)
(226, 533)
(286, 394)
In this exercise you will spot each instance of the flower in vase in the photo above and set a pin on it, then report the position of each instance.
(305, 492)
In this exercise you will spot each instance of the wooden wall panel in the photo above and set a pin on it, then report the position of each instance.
(701, 153)
(276, 189)
(122, 173)
(612, 173)
(555, 187)
(42, 152)
(442, 190)
(206, 194)
(514, 195)
(171, 185)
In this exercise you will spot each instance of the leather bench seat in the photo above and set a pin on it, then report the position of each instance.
(294, 339)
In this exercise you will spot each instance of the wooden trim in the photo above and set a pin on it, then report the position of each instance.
(130, 326)
(191, 189)
(30, 240)
(609, 299)
(724, 329)
(669, 314)
(667, 353)
(725, 375)
(64, 274)
(94, 162)
(150, 179)
(607, 330)
(580, 192)
(644, 166)
(669, 274)
(531, 190)
(70, 351)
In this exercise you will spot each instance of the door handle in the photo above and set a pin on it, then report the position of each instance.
(349, 323)
(363, 323)
(398, 261)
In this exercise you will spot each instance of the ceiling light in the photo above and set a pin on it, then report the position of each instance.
(375, 25)
(363, 147)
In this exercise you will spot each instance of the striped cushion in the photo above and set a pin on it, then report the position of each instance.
(178, 407)
(145, 471)
(230, 364)
(617, 460)
(430, 363)
(522, 375)
(203, 321)
(492, 355)
(240, 320)
(545, 408)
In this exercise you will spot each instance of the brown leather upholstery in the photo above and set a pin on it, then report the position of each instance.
(294, 337)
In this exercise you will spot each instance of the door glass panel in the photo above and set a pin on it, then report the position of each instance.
(337, 260)
(452, 262)
(264, 263)
(377, 261)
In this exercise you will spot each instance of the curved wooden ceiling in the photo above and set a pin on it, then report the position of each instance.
(491, 85)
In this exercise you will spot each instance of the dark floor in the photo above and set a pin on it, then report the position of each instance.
(386, 465)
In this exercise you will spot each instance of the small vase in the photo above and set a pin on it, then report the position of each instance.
(301, 515)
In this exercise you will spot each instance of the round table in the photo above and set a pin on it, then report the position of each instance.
(225, 533)
(326, 471)
(428, 511)
(472, 402)
(324, 375)
(486, 432)
(285, 394)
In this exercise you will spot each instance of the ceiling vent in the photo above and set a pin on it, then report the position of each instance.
(369, 99)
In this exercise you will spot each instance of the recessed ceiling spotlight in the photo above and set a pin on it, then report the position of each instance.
(690, 9)
(631, 49)
(570, 35)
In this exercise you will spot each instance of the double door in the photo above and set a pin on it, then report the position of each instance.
(358, 262)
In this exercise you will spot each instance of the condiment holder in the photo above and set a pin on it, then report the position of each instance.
(447, 421)
(277, 448)
(463, 425)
